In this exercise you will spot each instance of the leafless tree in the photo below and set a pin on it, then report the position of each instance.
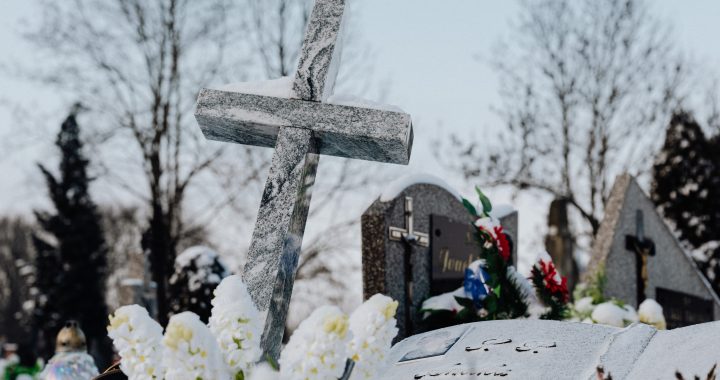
(712, 104)
(137, 66)
(585, 94)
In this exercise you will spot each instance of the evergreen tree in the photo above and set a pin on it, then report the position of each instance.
(74, 259)
(682, 175)
(198, 271)
(686, 188)
(47, 319)
(710, 251)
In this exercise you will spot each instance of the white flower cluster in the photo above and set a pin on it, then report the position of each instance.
(373, 328)
(236, 324)
(191, 352)
(229, 347)
(612, 314)
(137, 338)
(317, 349)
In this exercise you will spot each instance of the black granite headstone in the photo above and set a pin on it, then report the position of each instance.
(408, 271)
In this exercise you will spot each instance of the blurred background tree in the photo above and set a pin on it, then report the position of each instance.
(686, 190)
(137, 66)
(586, 88)
(17, 275)
(74, 256)
(198, 271)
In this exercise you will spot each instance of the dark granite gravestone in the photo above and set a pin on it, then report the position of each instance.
(301, 127)
(432, 256)
(642, 259)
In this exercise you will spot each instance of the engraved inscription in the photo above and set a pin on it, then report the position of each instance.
(460, 370)
(485, 345)
(535, 346)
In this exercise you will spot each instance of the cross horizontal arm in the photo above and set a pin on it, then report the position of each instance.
(344, 131)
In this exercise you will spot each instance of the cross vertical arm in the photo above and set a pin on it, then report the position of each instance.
(320, 55)
(277, 238)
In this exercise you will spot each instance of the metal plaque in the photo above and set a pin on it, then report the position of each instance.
(453, 247)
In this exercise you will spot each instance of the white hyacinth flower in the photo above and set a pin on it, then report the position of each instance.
(651, 313)
(317, 349)
(191, 352)
(373, 327)
(236, 324)
(137, 338)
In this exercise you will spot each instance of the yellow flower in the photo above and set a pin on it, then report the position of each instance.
(117, 320)
(391, 309)
(337, 325)
(176, 333)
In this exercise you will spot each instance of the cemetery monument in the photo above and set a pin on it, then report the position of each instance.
(641, 258)
(417, 240)
(300, 127)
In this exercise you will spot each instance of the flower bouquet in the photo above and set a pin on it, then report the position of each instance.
(327, 345)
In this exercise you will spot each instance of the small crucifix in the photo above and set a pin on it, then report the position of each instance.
(643, 248)
(408, 233)
(409, 237)
(301, 129)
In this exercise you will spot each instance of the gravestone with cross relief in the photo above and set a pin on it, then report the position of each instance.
(641, 258)
(300, 127)
(540, 349)
(417, 241)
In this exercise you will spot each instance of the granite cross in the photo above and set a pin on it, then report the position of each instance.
(642, 248)
(301, 129)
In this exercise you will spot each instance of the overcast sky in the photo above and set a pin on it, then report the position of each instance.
(431, 50)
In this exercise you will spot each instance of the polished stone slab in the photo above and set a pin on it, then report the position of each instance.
(538, 349)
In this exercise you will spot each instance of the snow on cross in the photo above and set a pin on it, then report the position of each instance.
(301, 128)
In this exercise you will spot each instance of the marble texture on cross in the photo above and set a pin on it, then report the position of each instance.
(301, 128)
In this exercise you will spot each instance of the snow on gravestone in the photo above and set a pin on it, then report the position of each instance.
(537, 349)
(642, 259)
(417, 242)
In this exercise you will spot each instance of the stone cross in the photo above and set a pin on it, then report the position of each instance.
(643, 249)
(300, 129)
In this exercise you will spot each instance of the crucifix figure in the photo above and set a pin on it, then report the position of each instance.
(301, 129)
(409, 237)
(643, 248)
